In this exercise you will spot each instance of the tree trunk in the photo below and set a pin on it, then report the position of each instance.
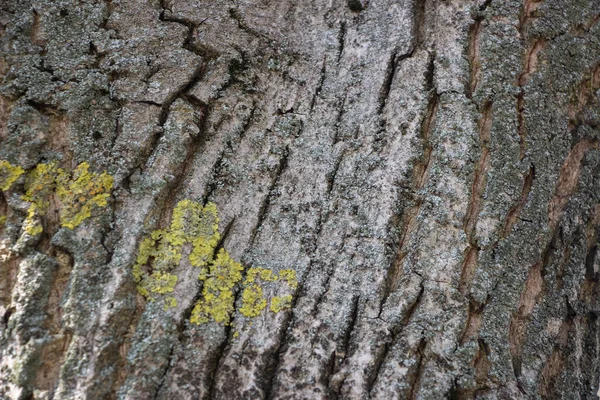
(408, 195)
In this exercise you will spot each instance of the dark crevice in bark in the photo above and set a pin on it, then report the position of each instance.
(357, 5)
(473, 53)
(590, 260)
(420, 170)
(419, 7)
(166, 106)
(322, 294)
(319, 84)
(474, 317)
(216, 362)
(474, 208)
(555, 364)
(527, 13)
(162, 379)
(416, 381)
(515, 211)
(249, 121)
(264, 208)
(568, 179)
(341, 354)
(394, 332)
(241, 24)
(188, 43)
(184, 169)
(275, 358)
(333, 174)
(350, 329)
(469, 265)
(165, 110)
(485, 5)
(532, 293)
(186, 314)
(341, 40)
(213, 182)
(530, 66)
(386, 86)
(482, 365)
(585, 96)
(338, 119)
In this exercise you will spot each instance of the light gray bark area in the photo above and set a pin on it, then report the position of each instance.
(430, 169)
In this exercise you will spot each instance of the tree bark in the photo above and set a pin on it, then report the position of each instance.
(428, 169)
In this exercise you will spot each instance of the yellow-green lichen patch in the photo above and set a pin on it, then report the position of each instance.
(81, 194)
(41, 183)
(197, 226)
(9, 174)
(289, 275)
(32, 224)
(202, 231)
(281, 303)
(264, 274)
(170, 302)
(253, 301)
(217, 300)
(192, 224)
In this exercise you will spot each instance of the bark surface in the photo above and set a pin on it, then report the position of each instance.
(429, 169)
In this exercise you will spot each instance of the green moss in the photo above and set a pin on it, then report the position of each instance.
(9, 174)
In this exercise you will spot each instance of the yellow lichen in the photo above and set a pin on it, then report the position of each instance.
(217, 294)
(197, 226)
(170, 302)
(32, 224)
(264, 274)
(9, 174)
(281, 303)
(192, 224)
(205, 236)
(253, 301)
(41, 183)
(81, 194)
(289, 275)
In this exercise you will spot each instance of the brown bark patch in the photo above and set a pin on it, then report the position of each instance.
(518, 324)
(474, 319)
(568, 179)
(556, 362)
(531, 61)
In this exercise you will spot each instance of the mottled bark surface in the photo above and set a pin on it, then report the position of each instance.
(430, 169)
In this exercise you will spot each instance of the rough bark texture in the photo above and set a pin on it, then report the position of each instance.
(430, 169)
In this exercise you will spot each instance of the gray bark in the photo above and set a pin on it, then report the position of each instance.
(429, 169)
